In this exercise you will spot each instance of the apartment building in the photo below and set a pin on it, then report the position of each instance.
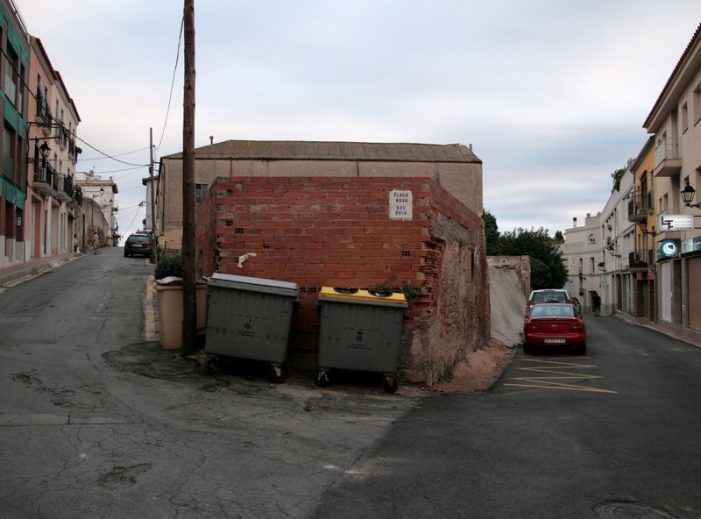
(642, 211)
(675, 122)
(14, 67)
(583, 253)
(53, 153)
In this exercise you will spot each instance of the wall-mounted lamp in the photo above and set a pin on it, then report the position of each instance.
(643, 229)
(688, 196)
(41, 154)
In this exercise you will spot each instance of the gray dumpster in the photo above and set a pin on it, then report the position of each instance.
(250, 318)
(360, 330)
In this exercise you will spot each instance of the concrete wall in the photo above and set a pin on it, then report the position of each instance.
(509, 288)
(336, 231)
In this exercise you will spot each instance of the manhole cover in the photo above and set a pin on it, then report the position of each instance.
(624, 510)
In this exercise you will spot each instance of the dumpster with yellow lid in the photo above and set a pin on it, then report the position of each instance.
(360, 330)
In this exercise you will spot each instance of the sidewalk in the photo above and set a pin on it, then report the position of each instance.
(672, 330)
(21, 271)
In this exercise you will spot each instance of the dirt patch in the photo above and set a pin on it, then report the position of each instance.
(480, 371)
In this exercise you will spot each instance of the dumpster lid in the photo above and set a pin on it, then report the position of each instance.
(251, 283)
(353, 295)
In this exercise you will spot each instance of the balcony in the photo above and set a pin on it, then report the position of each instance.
(640, 207)
(668, 161)
(64, 188)
(636, 262)
(45, 181)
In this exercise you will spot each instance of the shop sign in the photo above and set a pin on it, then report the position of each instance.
(676, 222)
(668, 249)
(691, 245)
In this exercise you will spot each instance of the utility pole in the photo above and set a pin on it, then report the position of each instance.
(188, 241)
(151, 188)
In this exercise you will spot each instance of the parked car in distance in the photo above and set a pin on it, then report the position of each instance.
(548, 295)
(138, 243)
(556, 325)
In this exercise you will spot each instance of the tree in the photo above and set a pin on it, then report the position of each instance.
(491, 233)
(547, 266)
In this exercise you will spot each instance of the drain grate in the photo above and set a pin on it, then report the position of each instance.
(628, 510)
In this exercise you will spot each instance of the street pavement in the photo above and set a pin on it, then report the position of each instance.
(614, 434)
(95, 422)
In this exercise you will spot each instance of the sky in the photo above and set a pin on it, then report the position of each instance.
(551, 95)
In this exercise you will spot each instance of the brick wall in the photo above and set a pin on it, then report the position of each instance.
(336, 231)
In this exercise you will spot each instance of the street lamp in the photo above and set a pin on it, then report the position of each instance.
(643, 229)
(688, 196)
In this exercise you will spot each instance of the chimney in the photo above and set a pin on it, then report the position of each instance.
(574, 222)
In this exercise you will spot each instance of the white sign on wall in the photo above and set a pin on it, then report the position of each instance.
(676, 222)
(401, 205)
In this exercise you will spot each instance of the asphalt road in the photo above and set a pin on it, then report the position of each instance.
(615, 434)
(95, 422)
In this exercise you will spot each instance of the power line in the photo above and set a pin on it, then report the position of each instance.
(93, 159)
(54, 120)
(172, 83)
(107, 154)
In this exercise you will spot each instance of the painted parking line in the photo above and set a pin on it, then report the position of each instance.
(551, 374)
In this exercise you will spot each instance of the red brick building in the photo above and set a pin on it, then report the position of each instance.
(404, 232)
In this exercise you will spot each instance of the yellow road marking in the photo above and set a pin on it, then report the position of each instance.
(557, 378)
(547, 372)
(561, 364)
(566, 387)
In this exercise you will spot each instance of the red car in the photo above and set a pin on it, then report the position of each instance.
(554, 325)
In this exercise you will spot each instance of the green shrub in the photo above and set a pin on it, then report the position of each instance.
(169, 266)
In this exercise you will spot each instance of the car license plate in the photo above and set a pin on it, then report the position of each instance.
(554, 340)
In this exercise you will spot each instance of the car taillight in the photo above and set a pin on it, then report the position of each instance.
(577, 328)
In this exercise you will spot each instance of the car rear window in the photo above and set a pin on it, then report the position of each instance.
(549, 297)
(139, 239)
(553, 311)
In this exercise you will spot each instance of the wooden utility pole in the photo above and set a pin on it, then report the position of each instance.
(188, 241)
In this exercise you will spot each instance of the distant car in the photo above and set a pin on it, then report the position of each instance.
(557, 325)
(138, 243)
(548, 295)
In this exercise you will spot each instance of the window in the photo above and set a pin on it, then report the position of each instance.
(697, 103)
(8, 151)
(200, 191)
(685, 117)
(591, 265)
(11, 75)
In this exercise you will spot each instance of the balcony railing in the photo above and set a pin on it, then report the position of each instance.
(636, 261)
(667, 159)
(640, 207)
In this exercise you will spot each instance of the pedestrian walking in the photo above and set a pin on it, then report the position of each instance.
(95, 242)
(596, 303)
(75, 244)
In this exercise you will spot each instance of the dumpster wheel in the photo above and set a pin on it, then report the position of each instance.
(322, 379)
(390, 384)
(278, 374)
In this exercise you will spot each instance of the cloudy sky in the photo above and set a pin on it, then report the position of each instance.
(550, 94)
